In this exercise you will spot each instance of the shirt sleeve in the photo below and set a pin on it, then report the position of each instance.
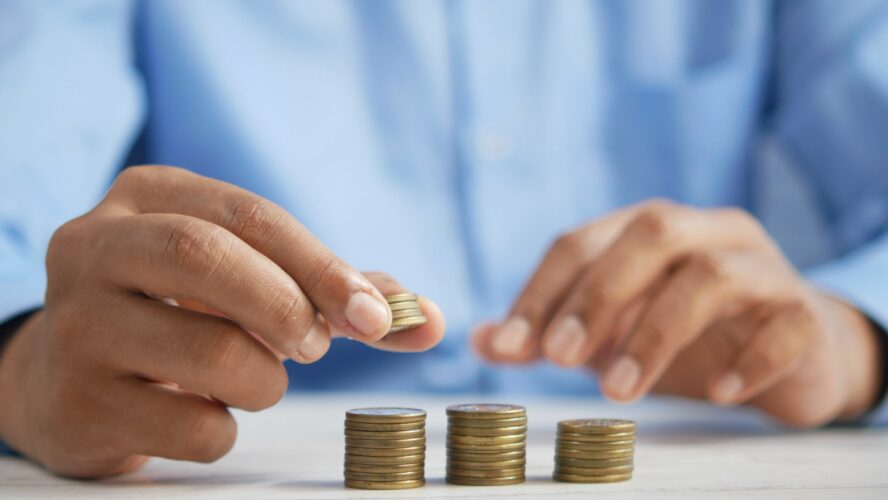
(831, 120)
(71, 105)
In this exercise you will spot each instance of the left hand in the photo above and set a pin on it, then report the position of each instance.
(694, 302)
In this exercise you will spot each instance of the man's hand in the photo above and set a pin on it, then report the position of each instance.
(112, 371)
(698, 303)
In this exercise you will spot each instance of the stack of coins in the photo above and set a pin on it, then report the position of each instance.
(594, 450)
(406, 312)
(486, 444)
(385, 448)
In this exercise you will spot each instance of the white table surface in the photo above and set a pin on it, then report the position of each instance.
(684, 450)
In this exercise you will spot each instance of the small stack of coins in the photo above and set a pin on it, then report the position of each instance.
(486, 444)
(406, 312)
(594, 451)
(385, 448)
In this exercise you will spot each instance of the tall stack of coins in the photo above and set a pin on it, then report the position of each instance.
(594, 450)
(385, 448)
(406, 312)
(486, 444)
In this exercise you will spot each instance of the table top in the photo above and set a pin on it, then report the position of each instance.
(683, 450)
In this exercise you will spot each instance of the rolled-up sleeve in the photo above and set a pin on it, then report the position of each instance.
(831, 119)
(70, 106)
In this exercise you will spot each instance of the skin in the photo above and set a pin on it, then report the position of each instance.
(173, 300)
(698, 303)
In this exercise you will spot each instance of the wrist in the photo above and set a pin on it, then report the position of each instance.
(861, 349)
(13, 363)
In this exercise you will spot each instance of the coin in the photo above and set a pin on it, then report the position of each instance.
(486, 411)
(597, 426)
(385, 415)
(592, 471)
(613, 445)
(488, 473)
(487, 431)
(406, 313)
(385, 461)
(409, 322)
(384, 485)
(383, 469)
(597, 455)
(400, 306)
(489, 481)
(385, 443)
(397, 476)
(596, 438)
(457, 439)
(414, 433)
(500, 464)
(401, 297)
(381, 426)
(468, 456)
(384, 452)
(463, 422)
(486, 448)
(592, 462)
(572, 478)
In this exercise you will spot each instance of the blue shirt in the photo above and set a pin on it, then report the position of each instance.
(449, 142)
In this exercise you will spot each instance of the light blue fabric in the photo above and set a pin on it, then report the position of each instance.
(449, 142)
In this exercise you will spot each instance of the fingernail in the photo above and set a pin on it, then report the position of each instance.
(314, 345)
(622, 376)
(565, 343)
(726, 389)
(510, 338)
(366, 314)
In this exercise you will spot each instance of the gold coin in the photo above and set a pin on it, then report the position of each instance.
(486, 440)
(596, 438)
(593, 471)
(383, 427)
(592, 462)
(406, 313)
(572, 478)
(417, 459)
(407, 323)
(400, 306)
(490, 473)
(397, 476)
(613, 445)
(487, 431)
(401, 297)
(486, 411)
(488, 481)
(597, 426)
(384, 452)
(596, 455)
(485, 448)
(385, 443)
(384, 485)
(486, 423)
(383, 469)
(500, 464)
(415, 433)
(468, 456)
(386, 415)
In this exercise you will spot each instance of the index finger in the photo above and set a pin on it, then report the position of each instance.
(346, 299)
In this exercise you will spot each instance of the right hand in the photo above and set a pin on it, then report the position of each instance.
(112, 372)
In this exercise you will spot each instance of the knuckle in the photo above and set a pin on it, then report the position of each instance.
(325, 274)
(597, 295)
(652, 340)
(653, 224)
(708, 267)
(227, 352)
(568, 245)
(195, 248)
(286, 306)
(211, 435)
(67, 237)
(256, 219)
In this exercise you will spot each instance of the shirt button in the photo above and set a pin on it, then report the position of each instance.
(492, 147)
